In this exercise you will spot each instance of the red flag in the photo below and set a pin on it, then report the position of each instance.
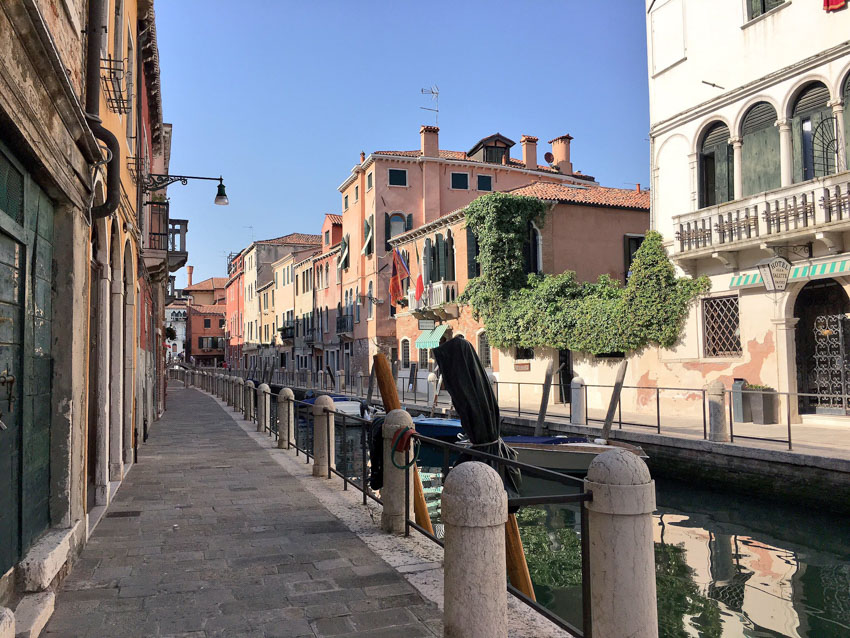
(833, 5)
(395, 285)
(420, 283)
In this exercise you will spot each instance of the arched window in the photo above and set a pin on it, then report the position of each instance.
(531, 250)
(405, 353)
(327, 275)
(484, 350)
(760, 159)
(846, 96)
(716, 171)
(396, 224)
(357, 305)
(369, 301)
(813, 134)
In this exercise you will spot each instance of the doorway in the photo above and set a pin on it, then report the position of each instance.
(565, 376)
(823, 342)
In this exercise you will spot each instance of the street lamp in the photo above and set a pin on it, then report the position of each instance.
(157, 181)
(774, 273)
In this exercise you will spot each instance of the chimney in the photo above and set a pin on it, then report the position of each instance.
(430, 144)
(362, 156)
(561, 151)
(189, 270)
(638, 187)
(529, 151)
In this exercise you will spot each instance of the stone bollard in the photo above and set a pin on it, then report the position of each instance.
(393, 491)
(185, 379)
(323, 436)
(578, 409)
(238, 394)
(432, 388)
(248, 403)
(286, 414)
(621, 550)
(718, 424)
(263, 407)
(475, 509)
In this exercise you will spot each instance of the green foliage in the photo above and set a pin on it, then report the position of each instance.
(170, 333)
(553, 556)
(680, 597)
(559, 311)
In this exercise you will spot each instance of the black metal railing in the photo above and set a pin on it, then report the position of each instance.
(345, 323)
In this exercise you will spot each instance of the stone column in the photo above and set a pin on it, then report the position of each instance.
(393, 491)
(323, 436)
(286, 412)
(475, 509)
(248, 403)
(263, 407)
(841, 148)
(737, 166)
(786, 153)
(622, 554)
(786, 361)
(578, 409)
(718, 424)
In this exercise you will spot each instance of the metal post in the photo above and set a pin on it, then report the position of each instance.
(704, 419)
(731, 421)
(788, 407)
(658, 409)
(328, 441)
(363, 453)
(344, 454)
(518, 399)
(620, 411)
(407, 492)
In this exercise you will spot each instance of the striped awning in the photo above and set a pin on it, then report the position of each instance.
(431, 338)
(799, 272)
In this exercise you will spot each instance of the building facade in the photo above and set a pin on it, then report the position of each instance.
(749, 164)
(176, 316)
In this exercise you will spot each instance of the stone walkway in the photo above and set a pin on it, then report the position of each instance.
(208, 536)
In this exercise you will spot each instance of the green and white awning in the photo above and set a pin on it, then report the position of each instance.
(431, 338)
(800, 272)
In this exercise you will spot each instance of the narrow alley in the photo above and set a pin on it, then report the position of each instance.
(208, 536)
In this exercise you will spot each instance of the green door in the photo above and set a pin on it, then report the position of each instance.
(26, 275)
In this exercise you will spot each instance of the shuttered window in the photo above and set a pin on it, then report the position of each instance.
(485, 182)
(716, 166)
(11, 190)
(760, 160)
(813, 134)
(473, 268)
(460, 181)
(397, 177)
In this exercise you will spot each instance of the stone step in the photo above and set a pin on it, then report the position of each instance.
(7, 623)
(32, 614)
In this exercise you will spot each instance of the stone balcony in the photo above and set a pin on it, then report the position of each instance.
(800, 214)
(177, 253)
(438, 301)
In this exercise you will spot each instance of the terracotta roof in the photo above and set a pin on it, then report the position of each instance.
(335, 219)
(208, 284)
(593, 196)
(292, 238)
(204, 309)
(460, 155)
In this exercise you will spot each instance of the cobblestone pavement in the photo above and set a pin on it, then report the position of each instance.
(208, 536)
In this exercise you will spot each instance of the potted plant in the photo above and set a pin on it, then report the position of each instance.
(762, 399)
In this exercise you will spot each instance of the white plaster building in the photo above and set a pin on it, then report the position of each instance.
(749, 147)
(175, 317)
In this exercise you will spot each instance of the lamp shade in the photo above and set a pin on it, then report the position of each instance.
(221, 196)
(774, 273)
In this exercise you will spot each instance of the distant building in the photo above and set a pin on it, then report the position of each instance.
(176, 317)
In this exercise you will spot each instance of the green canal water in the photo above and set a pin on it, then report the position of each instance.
(726, 564)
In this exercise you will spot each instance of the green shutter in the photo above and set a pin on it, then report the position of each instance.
(441, 257)
(760, 158)
(387, 231)
(408, 222)
(426, 261)
(450, 256)
(471, 254)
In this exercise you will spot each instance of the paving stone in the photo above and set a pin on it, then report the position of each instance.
(227, 544)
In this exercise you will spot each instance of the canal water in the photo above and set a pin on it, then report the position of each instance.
(726, 564)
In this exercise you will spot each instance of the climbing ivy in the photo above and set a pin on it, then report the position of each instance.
(559, 311)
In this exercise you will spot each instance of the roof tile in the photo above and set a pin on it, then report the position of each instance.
(592, 196)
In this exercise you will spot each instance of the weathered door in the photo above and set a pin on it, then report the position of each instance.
(91, 433)
(11, 348)
(26, 263)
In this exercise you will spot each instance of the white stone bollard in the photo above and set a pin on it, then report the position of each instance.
(323, 436)
(621, 554)
(248, 404)
(286, 418)
(718, 424)
(393, 492)
(238, 394)
(475, 509)
(432, 387)
(578, 409)
(263, 407)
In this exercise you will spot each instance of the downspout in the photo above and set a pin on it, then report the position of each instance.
(95, 33)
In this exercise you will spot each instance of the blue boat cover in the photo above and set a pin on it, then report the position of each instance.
(335, 397)
(546, 440)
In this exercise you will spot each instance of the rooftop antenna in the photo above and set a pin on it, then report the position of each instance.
(434, 92)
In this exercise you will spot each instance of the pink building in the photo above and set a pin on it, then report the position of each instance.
(392, 192)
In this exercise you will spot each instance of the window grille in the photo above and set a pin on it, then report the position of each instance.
(484, 350)
(423, 359)
(405, 353)
(722, 327)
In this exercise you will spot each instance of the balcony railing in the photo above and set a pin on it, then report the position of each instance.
(795, 211)
(287, 330)
(345, 323)
(436, 294)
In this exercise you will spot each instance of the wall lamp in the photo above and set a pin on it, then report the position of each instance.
(157, 181)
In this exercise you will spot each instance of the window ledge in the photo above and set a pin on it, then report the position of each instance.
(398, 186)
(766, 14)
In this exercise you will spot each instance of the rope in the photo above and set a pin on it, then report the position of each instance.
(401, 443)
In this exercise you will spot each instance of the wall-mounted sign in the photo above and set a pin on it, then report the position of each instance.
(774, 273)
(427, 324)
(522, 366)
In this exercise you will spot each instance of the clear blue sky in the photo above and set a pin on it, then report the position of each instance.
(281, 97)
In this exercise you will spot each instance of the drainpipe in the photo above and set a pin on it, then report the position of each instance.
(95, 33)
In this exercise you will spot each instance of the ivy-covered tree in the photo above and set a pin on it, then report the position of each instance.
(559, 311)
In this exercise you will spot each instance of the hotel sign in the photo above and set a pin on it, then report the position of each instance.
(427, 324)
(775, 272)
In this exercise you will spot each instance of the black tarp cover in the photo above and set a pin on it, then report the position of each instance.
(472, 395)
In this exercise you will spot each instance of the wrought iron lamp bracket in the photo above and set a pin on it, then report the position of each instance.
(800, 250)
(154, 181)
